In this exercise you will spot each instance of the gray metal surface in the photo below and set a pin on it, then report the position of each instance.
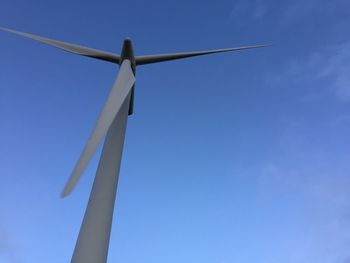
(93, 240)
(128, 53)
(76, 49)
(142, 60)
(121, 88)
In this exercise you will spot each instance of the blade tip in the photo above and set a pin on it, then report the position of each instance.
(66, 192)
(63, 195)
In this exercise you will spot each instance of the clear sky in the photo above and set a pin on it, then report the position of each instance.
(240, 157)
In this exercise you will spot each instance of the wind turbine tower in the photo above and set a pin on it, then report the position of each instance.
(93, 239)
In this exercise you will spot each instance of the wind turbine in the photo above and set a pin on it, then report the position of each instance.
(93, 239)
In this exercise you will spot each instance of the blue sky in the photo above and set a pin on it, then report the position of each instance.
(242, 157)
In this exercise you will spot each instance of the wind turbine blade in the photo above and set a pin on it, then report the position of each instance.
(76, 49)
(142, 60)
(120, 90)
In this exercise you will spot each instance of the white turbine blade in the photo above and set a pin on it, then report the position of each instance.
(76, 49)
(120, 90)
(142, 60)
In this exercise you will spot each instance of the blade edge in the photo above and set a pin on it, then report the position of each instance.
(111, 108)
(72, 48)
(149, 59)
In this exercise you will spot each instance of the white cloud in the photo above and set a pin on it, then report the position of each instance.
(337, 67)
(327, 69)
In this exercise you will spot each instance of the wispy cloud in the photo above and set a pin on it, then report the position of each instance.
(328, 69)
(322, 207)
(300, 11)
(337, 67)
(9, 249)
(316, 186)
(254, 9)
